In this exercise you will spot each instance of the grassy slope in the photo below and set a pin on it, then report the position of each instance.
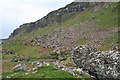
(105, 20)
(44, 72)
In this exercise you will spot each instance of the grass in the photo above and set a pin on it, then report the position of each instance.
(22, 49)
(43, 72)
(109, 42)
(82, 41)
(7, 67)
(40, 57)
(103, 20)
(30, 51)
(109, 18)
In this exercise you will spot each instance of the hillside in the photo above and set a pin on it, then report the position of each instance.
(102, 18)
(58, 33)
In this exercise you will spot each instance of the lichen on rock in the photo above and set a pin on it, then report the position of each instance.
(101, 64)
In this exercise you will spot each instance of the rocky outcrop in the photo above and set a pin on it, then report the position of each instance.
(74, 6)
(105, 64)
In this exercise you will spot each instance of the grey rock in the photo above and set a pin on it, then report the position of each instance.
(10, 52)
(103, 64)
(58, 66)
(4, 51)
(14, 59)
(20, 67)
(59, 52)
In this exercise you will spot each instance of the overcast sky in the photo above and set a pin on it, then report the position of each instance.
(14, 13)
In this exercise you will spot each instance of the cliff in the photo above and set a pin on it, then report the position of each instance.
(54, 17)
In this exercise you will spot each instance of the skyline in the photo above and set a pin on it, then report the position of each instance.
(15, 13)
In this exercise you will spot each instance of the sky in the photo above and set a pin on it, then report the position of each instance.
(14, 13)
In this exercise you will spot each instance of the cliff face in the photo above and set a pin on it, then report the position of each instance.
(51, 19)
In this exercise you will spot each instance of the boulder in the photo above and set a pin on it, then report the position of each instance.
(105, 64)
(39, 64)
(58, 65)
(45, 63)
(79, 70)
(24, 43)
(10, 52)
(68, 69)
(20, 67)
(20, 59)
(59, 52)
(4, 51)
(14, 59)
(35, 68)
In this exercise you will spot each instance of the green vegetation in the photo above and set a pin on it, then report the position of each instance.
(43, 72)
(107, 17)
(103, 18)
(110, 41)
(41, 56)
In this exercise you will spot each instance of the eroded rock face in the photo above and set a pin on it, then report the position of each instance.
(105, 64)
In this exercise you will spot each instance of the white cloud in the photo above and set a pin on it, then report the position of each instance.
(31, 13)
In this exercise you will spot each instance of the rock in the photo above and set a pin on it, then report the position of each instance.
(14, 59)
(26, 73)
(32, 63)
(4, 51)
(38, 44)
(46, 63)
(35, 68)
(5, 62)
(48, 21)
(24, 43)
(10, 52)
(20, 67)
(18, 58)
(79, 70)
(8, 77)
(29, 70)
(59, 52)
(68, 69)
(16, 54)
(39, 64)
(35, 72)
(105, 64)
(58, 66)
